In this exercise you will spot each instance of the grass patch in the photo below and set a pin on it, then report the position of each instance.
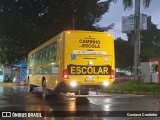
(7, 79)
(133, 86)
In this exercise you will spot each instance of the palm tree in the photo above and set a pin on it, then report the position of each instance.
(128, 4)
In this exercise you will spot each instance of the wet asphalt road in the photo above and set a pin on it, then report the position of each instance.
(18, 99)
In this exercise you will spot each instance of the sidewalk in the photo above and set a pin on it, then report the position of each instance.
(11, 84)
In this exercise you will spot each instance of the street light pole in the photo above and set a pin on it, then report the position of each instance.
(73, 23)
(137, 38)
(73, 19)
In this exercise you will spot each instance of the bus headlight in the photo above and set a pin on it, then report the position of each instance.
(106, 83)
(73, 84)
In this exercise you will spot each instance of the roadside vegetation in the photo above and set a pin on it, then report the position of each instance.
(134, 87)
(39, 20)
(7, 79)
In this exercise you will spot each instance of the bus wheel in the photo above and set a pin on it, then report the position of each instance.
(44, 90)
(30, 87)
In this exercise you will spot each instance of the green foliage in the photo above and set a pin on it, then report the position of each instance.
(25, 24)
(133, 86)
(7, 79)
(150, 44)
(123, 54)
(128, 4)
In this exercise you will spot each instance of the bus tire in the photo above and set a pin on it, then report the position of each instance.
(30, 87)
(44, 92)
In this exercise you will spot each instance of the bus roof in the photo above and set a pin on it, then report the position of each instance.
(61, 34)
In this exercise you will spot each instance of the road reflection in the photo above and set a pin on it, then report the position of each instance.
(19, 99)
(1, 89)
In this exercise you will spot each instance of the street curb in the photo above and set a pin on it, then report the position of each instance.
(132, 92)
(106, 91)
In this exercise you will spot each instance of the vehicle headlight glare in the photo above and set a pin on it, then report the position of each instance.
(73, 84)
(106, 83)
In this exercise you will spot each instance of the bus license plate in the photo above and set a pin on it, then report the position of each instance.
(89, 79)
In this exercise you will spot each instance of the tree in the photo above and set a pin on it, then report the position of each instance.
(123, 54)
(127, 5)
(25, 24)
(18, 29)
(150, 43)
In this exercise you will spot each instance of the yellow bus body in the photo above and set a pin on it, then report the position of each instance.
(81, 58)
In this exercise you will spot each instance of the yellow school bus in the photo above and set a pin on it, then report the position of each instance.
(73, 61)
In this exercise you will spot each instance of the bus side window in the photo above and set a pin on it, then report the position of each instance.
(52, 52)
(45, 54)
(33, 59)
(37, 58)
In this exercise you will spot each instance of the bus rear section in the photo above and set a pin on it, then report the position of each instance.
(89, 60)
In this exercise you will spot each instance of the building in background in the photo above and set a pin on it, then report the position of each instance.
(19, 71)
(13, 73)
(151, 70)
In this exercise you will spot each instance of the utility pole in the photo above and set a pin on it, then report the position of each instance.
(73, 23)
(137, 38)
(73, 19)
